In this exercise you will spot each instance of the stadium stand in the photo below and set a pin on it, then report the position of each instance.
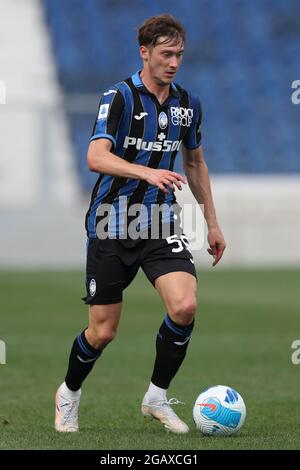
(241, 58)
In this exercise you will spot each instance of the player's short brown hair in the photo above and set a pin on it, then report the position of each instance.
(158, 26)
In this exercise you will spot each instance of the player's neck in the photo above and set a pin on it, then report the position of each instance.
(160, 91)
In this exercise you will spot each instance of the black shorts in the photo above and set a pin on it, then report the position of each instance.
(113, 263)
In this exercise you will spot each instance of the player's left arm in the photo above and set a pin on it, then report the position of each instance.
(199, 182)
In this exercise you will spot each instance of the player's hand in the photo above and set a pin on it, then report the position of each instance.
(164, 179)
(217, 244)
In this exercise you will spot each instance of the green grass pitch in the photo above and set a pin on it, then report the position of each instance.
(246, 323)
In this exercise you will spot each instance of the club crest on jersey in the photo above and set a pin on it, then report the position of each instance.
(162, 120)
(181, 116)
(92, 287)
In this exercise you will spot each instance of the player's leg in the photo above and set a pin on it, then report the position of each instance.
(106, 278)
(87, 348)
(172, 272)
(89, 344)
(178, 291)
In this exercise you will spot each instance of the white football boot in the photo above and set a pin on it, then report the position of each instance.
(161, 410)
(66, 412)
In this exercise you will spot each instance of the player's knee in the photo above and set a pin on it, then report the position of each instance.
(103, 337)
(184, 311)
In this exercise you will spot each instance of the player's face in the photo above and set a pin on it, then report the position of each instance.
(163, 60)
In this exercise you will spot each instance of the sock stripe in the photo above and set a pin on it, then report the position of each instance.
(83, 347)
(184, 331)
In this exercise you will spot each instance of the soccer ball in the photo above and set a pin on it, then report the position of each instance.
(219, 410)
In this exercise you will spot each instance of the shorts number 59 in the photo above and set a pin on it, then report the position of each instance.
(182, 242)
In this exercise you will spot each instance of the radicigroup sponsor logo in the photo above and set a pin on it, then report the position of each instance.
(181, 116)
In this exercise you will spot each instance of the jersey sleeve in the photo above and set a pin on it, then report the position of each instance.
(192, 139)
(110, 110)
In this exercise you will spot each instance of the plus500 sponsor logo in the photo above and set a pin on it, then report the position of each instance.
(139, 144)
(181, 116)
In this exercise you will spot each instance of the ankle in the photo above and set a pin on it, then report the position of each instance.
(156, 393)
(69, 394)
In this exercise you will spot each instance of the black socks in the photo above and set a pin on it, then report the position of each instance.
(82, 359)
(171, 345)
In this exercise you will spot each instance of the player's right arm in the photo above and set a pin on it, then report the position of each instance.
(101, 158)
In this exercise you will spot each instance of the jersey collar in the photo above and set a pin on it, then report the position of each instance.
(136, 80)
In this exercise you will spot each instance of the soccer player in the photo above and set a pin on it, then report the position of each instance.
(141, 123)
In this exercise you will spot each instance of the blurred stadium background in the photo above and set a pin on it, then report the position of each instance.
(56, 58)
(240, 59)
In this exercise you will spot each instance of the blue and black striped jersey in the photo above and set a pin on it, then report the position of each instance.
(145, 132)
